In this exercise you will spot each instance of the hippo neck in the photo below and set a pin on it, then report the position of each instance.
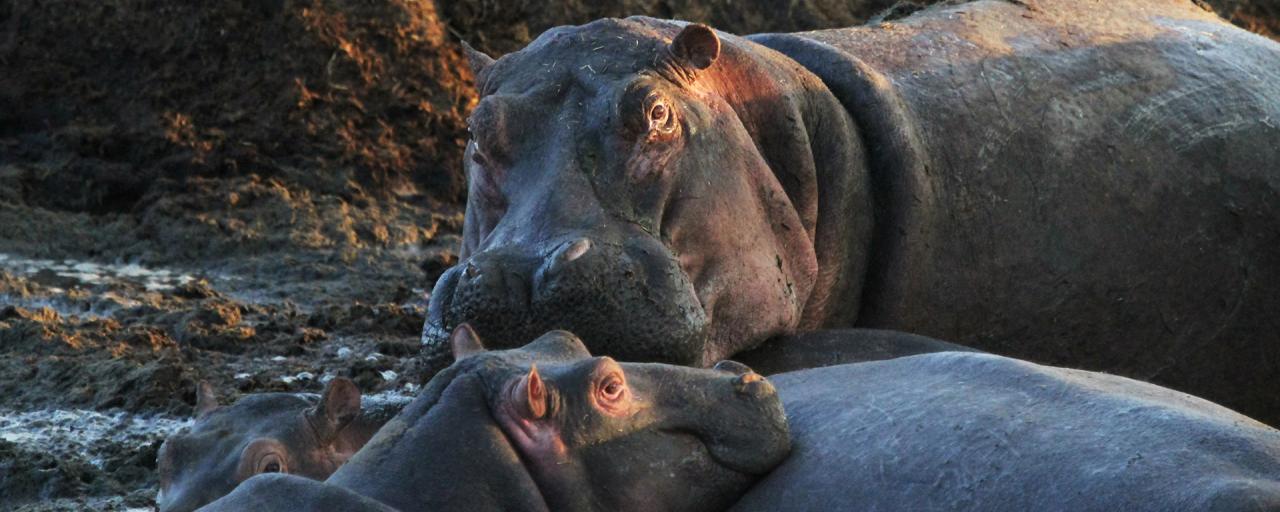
(896, 167)
(816, 151)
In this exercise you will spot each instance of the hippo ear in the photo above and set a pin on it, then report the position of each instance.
(206, 400)
(531, 395)
(465, 341)
(733, 367)
(479, 60)
(697, 45)
(339, 405)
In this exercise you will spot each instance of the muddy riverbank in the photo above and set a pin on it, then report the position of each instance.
(254, 193)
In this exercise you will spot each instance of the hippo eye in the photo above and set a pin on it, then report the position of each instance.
(611, 389)
(658, 114)
(271, 463)
(661, 120)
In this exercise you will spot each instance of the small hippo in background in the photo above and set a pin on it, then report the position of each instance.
(548, 427)
(968, 431)
(298, 433)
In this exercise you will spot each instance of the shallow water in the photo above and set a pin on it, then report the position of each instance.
(94, 273)
(84, 434)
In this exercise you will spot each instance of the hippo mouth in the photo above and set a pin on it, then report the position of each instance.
(631, 300)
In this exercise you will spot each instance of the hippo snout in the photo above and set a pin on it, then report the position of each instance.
(753, 385)
(628, 299)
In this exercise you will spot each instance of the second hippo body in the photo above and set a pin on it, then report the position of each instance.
(969, 431)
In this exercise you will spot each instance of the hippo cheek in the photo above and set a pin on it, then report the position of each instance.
(739, 418)
(187, 496)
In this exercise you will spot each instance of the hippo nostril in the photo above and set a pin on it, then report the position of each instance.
(575, 250)
(470, 270)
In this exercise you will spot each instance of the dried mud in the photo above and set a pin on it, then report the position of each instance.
(257, 193)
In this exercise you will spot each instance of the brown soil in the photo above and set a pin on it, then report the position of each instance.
(299, 159)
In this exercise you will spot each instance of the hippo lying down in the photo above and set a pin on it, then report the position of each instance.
(547, 427)
(298, 433)
(224, 447)
(1089, 184)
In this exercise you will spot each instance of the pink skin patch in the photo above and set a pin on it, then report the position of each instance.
(524, 415)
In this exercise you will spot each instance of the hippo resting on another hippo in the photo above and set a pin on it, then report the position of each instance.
(548, 427)
(297, 433)
(942, 431)
(1091, 184)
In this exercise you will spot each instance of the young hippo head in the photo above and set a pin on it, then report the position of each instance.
(634, 181)
(548, 427)
(260, 433)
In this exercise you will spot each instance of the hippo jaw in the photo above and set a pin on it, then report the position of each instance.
(625, 198)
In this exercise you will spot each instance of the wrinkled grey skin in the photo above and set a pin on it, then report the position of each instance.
(302, 434)
(1091, 184)
(974, 432)
(548, 427)
(831, 347)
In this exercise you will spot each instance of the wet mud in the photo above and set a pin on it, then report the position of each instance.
(256, 193)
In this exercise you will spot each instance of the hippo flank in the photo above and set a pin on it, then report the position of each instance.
(297, 433)
(965, 431)
(1091, 184)
(548, 427)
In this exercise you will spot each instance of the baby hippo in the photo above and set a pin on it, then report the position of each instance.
(298, 433)
(548, 427)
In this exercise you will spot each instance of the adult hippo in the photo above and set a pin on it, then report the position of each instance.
(966, 431)
(548, 427)
(1091, 184)
(296, 433)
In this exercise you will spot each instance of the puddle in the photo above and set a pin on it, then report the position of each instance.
(88, 273)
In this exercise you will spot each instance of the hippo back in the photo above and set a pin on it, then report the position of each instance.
(1091, 184)
(967, 431)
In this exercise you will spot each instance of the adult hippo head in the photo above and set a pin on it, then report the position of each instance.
(548, 427)
(300, 434)
(649, 185)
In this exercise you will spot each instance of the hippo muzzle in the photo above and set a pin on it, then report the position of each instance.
(630, 298)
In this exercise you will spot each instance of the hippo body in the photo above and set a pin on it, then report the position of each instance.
(831, 347)
(547, 427)
(966, 431)
(1091, 184)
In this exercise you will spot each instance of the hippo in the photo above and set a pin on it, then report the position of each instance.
(548, 427)
(1085, 184)
(971, 431)
(297, 433)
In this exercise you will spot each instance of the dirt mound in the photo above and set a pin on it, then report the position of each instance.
(114, 99)
(1261, 16)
